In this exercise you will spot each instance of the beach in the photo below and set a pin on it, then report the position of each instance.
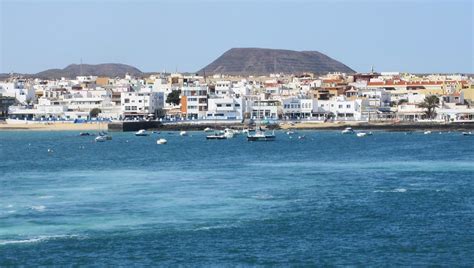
(52, 126)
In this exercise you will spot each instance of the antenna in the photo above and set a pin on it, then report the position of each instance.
(80, 68)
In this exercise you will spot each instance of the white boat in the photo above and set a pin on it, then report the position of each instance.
(361, 134)
(261, 135)
(208, 129)
(142, 133)
(183, 133)
(216, 136)
(290, 132)
(468, 133)
(427, 132)
(100, 138)
(348, 130)
(161, 141)
(228, 134)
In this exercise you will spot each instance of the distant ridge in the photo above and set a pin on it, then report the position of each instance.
(73, 70)
(261, 61)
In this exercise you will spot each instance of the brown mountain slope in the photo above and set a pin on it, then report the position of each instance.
(253, 61)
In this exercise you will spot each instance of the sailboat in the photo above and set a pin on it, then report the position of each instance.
(103, 136)
(259, 134)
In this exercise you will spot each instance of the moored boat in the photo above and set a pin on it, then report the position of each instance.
(261, 136)
(100, 138)
(161, 141)
(348, 130)
(142, 133)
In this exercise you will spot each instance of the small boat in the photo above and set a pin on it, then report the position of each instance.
(156, 132)
(105, 135)
(468, 133)
(302, 137)
(348, 130)
(84, 134)
(208, 129)
(361, 134)
(290, 132)
(161, 141)
(261, 136)
(427, 132)
(228, 133)
(100, 138)
(141, 133)
(183, 133)
(216, 136)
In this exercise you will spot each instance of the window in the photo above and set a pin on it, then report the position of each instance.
(228, 105)
(219, 105)
(348, 106)
(340, 106)
(127, 100)
(237, 105)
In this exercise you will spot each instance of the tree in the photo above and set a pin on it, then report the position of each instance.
(430, 103)
(402, 101)
(173, 97)
(94, 112)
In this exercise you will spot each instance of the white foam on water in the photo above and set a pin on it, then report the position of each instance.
(39, 208)
(45, 196)
(397, 190)
(263, 196)
(221, 226)
(35, 239)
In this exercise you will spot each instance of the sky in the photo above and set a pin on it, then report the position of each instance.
(417, 36)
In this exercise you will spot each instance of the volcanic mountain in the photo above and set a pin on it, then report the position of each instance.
(73, 70)
(261, 61)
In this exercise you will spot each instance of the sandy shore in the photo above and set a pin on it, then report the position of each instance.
(53, 127)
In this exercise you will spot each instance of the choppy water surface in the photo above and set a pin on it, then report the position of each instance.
(387, 199)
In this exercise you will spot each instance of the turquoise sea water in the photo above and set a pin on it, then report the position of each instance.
(388, 199)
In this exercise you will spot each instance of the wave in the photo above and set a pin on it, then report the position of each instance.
(39, 208)
(263, 197)
(36, 239)
(221, 226)
(397, 190)
(45, 196)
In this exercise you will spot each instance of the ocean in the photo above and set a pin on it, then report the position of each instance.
(389, 199)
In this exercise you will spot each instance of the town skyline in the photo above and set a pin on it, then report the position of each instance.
(185, 36)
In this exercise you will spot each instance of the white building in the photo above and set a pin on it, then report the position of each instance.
(18, 89)
(338, 108)
(265, 109)
(140, 104)
(194, 101)
(225, 108)
(296, 108)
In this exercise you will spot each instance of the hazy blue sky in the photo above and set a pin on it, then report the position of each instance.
(412, 36)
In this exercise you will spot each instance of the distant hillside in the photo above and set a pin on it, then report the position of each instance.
(73, 70)
(253, 61)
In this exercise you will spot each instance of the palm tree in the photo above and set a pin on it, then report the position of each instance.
(430, 103)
